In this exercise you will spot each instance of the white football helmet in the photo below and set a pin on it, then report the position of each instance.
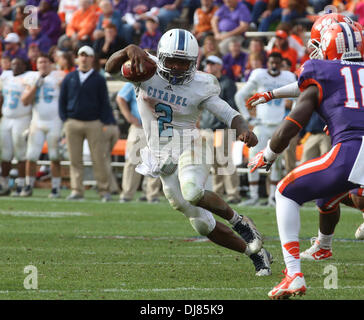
(177, 43)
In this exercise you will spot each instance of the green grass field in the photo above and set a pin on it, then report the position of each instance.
(94, 250)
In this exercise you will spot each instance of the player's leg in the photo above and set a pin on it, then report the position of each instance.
(53, 137)
(201, 219)
(20, 127)
(6, 155)
(275, 177)
(323, 176)
(321, 246)
(34, 148)
(192, 179)
(204, 223)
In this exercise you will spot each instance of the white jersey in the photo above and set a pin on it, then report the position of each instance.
(170, 111)
(260, 80)
(12, 89)
(45, 107)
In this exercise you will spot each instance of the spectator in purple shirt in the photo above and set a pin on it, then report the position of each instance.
(235, 61)
(13, 49)
(230, 22)
(50, 23)
(42, 40)
(151, 36)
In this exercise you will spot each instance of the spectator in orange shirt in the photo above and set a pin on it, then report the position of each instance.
(281, 46)
(202, 19)
(83, 23)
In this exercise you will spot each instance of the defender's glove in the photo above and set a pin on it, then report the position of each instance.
(263, 159)
(258, 98)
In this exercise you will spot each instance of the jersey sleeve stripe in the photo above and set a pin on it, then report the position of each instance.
(309, 82)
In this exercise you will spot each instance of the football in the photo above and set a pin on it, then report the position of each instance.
(148, 71)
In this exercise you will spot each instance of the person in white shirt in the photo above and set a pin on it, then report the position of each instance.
(268, 117)
(14, 124)
(46, 125)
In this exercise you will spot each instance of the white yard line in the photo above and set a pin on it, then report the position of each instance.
(46, 214)
(181, 289)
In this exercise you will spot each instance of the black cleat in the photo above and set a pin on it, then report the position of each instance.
(262, 261)
(248, 231)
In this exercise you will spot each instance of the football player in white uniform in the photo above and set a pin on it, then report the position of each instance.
(170, 103)
(14, 124)
(46, 124)
(268, 117)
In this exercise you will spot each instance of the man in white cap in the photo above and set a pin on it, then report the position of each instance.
(85, 109)
(12, 47)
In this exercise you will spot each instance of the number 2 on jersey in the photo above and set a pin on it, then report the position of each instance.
(164, 131)
(351, 99)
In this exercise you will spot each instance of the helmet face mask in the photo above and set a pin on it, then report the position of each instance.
(315, 46)
(177, 44)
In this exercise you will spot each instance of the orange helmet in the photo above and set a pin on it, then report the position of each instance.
(320, 26)
(342, 41)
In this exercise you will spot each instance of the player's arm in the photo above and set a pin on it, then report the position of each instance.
(288, 91)
(222, 110)
(291, 125)
(242, 131)
(242, 94)
(133, 53)
(28, 96)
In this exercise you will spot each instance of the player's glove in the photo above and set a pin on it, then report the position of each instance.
(258, 98)
(263, 159)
